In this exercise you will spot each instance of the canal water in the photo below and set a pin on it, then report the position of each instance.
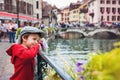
(63, 51)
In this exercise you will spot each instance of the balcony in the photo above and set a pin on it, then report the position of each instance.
(8, 8)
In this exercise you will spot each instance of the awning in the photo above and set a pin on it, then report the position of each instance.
(11, 15)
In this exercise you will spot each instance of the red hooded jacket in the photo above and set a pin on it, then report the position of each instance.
(23, 60)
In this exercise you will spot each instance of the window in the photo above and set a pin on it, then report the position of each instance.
(118, 18)
(8, 5)
(113, 18)
(108, 18)
(24, 9)
(8, 1)
(102, 10)
(101, 18)
(102, 1)
(108, 10)
(113, 10)
(114, 2)
(119, 10)
(108, 2)
(37, 16)
(37, 4)
(74, 11)
(119, 2)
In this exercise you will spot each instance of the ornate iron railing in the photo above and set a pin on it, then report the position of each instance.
(43, 61)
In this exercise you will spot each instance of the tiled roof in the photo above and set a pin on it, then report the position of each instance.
(74, 5)
(46, 8)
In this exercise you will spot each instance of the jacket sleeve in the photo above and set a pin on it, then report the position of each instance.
(24, 53)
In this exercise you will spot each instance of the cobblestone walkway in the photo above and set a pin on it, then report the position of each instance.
(6, 68)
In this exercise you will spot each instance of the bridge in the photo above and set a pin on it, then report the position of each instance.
(91, 31)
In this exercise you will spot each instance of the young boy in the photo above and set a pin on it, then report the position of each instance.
(23, 52)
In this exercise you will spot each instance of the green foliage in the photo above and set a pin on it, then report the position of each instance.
(104, 66)
(51, 75)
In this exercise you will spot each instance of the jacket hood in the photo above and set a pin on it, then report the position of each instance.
(9, 51)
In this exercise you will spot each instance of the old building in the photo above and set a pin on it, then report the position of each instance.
(83, 15)
(74, 12)
(104, 10)
(65, 14)
(22, 10)
(37, 9)
(49, 14)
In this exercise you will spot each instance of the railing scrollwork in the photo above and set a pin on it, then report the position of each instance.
(43, 62)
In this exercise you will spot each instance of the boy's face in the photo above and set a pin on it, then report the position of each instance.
(31, 40)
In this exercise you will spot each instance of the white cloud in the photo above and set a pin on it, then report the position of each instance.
(61, 3)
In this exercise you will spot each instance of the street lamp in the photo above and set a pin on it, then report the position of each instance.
(17, 9)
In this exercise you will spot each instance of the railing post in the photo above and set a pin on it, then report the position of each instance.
(41, 67)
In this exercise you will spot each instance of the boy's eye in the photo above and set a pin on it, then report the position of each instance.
(34, 38)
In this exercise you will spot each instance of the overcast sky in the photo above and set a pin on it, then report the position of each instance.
(60, 3)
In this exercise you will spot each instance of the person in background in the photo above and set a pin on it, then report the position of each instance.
(4, 29)
(42, 25)
(1, 33)
(30, 24)
(23, 53)
(11, 29)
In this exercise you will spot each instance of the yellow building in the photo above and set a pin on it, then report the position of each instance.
(65, 14)
(74, 12)
(84, 16)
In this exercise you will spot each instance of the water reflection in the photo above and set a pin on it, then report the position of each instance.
(64, 50)
(85, 44)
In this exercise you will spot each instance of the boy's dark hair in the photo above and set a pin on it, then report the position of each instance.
(25, 36)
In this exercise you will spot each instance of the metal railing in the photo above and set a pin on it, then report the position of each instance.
(43, 61)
